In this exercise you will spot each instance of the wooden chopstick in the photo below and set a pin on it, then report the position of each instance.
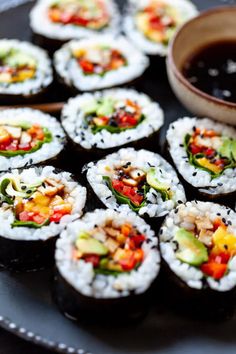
(54, 107)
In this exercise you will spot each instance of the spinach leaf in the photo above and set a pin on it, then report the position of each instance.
(30, 224)
(113, 130)
(47, 139)
(121, 199)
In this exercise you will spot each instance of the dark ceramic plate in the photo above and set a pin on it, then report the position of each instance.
(26, 306)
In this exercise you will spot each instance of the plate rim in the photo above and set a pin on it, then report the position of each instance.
(38, 339)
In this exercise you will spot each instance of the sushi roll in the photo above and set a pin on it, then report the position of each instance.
(99, 62)
(105, 261)
(141, 181)
(25, 71)
(150, 24)
(57, 21)
(28, 137)
(198, 246)
(36, 204)
(97, 123)
(204, 153)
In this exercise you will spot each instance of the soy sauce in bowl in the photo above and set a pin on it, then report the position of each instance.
(212, 69)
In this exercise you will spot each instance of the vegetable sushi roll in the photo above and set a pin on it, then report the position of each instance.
(150, 24)
(100, 122)
(99, 62)
(141, 181)
(106, 260)
(28, 137)
(57, 21)
(198, 245)
(25, 71)
(204, 153)
(36, 205)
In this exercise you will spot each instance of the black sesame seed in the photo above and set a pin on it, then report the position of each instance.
(23, 188)
(150, 164)
(224, 221)
(179, 202)
(30, 161)
(194, 173)
(229, 222)
(228, 212)
(225, 247)
(29, 191)
(181, 145)
(108, 197)
(219, 214)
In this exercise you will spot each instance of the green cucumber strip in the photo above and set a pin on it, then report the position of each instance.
(4, 185)
(4, 197)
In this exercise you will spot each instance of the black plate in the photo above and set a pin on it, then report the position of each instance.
(26, 306)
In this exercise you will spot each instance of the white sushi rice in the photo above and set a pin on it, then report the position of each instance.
(43, 75)
(184, 7)
(81, 274)
(47, 151)
(77, 198)
(41, 24)
(144, 160)
(70, 72)
(191, 275)
(198, 178)
(73, 120)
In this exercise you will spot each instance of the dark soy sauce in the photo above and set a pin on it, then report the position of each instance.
(213, 70)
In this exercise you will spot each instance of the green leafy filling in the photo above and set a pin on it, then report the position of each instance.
(193, 159)
(111, 129)
(125, 200)
(9, 189)
(39, 144)
(30, 224)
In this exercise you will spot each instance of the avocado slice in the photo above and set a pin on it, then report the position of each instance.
(106, 107)
(191, 250)
(225, 149)
(90, 107)
(161, 187)
(13, 188)
(233, 149)
(89, 245)
(20, 59)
